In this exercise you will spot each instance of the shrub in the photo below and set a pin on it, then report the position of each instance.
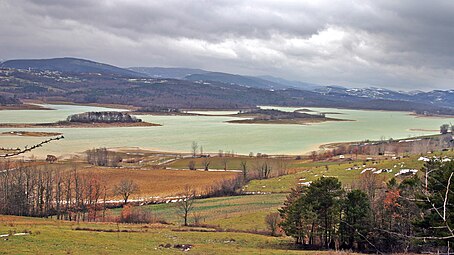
(272, 221)
(131, 214)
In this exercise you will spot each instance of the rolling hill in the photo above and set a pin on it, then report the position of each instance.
(247, 81)
(290, 83)
(167, 72)
(441, 98)
(69, 65)
(79, 81)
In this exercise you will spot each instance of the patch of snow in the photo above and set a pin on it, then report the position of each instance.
(368, 169)
(406, 172)
(305, 183)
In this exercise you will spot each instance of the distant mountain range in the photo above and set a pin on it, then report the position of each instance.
(289, 83)
(247, 81)
(265, 82)
(86, 81)
(444, 98)
(69, 65)
(167, 72)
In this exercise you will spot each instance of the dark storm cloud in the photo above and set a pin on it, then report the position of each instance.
(397, 44)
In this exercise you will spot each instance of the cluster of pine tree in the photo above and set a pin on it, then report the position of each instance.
(415, 214)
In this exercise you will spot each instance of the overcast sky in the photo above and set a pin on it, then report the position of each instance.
(401, 44)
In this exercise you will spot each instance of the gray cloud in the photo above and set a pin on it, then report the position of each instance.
(396, 44)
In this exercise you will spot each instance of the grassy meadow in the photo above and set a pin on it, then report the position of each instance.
(48, 236)
(246, 213)
(310, 171)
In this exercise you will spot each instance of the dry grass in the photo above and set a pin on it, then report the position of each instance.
(161, 183)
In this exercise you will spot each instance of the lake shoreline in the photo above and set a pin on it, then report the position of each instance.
(30, 104)
(301, 121)
(25, 106)
(434, 116)
(211, 132)
(57, 102)
(77, 125)
(30, 133)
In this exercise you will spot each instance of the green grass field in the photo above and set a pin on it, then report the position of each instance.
(310, 172)
(238, 212)
(59, 237)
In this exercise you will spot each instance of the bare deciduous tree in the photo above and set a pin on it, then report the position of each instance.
(264, 170)
(103, 157)
(125, 189)
(313, 155)
(225, 161)
(272, 222)
(186, 203)
(370, 183)
(194, 147)
(282, 166)
(206, 163)
(191, 165)
(45, 190)
(244, 170)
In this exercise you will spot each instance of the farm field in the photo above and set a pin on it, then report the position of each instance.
(162, 183)
(151, 182)
(48, 236)
(233, 163)
(245, 213)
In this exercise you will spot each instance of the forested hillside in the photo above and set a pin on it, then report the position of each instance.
(6, 100)
(84, 81)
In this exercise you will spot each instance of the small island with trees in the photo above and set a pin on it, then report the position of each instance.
(273, 116)
(158, 109)
(89, 119)
(102, 117)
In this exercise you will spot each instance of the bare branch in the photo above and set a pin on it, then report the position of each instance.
(31, 148)
(446, 196)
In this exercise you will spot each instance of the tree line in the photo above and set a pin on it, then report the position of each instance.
(415, 215)
(43, 191)
(103, 157)
(444, 141)
(102, 117)
(49, 190)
